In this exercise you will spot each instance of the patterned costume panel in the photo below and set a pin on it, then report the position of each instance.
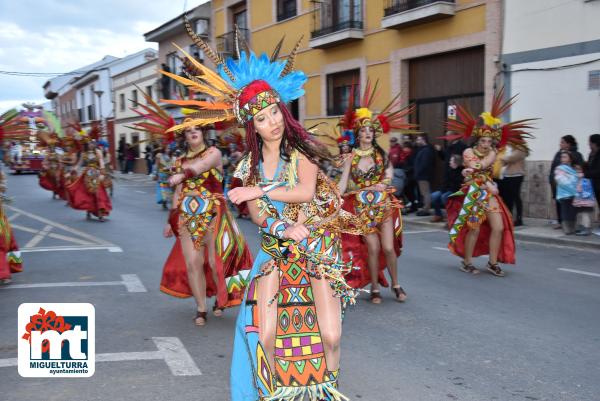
(467, 210)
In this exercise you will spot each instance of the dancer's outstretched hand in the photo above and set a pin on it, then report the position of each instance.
(243, 194)
(297, 232)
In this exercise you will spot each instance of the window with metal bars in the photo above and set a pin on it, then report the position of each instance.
(339, 88)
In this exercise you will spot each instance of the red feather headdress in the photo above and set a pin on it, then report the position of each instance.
(490, 124)
(393, 116)
(158, 121)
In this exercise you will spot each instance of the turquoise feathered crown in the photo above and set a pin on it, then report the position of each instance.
(243, 85)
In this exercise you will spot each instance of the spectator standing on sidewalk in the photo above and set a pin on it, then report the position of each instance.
(453, 180)
(569, 144)
(395, 157)
(411, 192)
(509, 173)
(149, 157)
(424, 163)
(592, 167)
(584, 202)
(130, 154)
(121, 151)
(566, 178)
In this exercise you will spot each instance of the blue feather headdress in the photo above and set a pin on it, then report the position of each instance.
(249, 69)
(242, 86)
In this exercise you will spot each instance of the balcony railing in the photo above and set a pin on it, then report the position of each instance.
(226, 42)
(335, 27)
(397, 6)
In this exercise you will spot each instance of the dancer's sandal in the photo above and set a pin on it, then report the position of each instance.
(468, 268)
(399, 293)
(201, 318)
(375, 297)
(495, 269)
(217, 310)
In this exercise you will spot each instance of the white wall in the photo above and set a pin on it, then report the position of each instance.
(561, 99)
(538, 24)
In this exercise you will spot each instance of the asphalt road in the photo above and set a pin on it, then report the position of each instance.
(533, 335)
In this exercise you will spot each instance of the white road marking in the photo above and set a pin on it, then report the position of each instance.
(5, 363)
(422, 232)
(14, 216)
(60, 226)
(176, 356)
(141, 192)
(170, 349)
(72, 248)
(131, 282)
(439, 248)
(38, 237)
(580, 272)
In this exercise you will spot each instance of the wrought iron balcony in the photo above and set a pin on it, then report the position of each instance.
(401, 13)
(336, 22)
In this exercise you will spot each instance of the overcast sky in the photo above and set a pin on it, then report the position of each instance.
(63, 35)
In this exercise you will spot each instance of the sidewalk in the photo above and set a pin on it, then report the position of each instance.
(533, 230)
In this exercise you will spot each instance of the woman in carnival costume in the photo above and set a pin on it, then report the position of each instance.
(479, 222)
(50, 178)
(68, 162)
(10, 256)
(366, 185)
(288, 329)
(210, 256)
(87, 192)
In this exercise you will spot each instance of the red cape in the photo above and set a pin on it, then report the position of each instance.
(506, 253)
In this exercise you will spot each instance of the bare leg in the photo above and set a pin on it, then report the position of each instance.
(209, 243)
(387, 244)
(266, 288)
(497, 228)
(373, 247)
(470, 241)
(194, 261)
(329, 316)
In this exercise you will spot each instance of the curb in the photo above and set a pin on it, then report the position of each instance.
(573, 243)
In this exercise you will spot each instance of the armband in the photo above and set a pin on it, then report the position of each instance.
(189, 173)
(274, 227)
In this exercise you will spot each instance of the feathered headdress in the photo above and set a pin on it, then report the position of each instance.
(490, 124)
(158, 122)
(52, 136)
(13, 126)
(393, 116)
(242, 87)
